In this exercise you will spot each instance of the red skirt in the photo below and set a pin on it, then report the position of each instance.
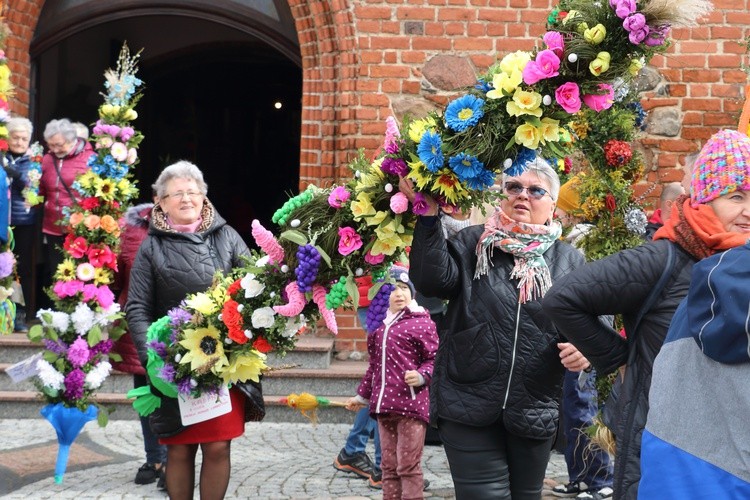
(223, 428)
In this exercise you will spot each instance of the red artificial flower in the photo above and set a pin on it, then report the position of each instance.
(234, 288)
(232, 318)
(610, 202)
(262, 345)
(102, 255)
(75, 246)
(90, 203)
(3, 145)
(567, 165)
(617, 153)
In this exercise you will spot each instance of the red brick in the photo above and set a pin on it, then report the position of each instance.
(412, 13)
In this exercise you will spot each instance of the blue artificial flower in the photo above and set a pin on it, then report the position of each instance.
(464, 112)
(430, 151)
(483, 86)
(640, 114)
(465, 166)
(524, 156)
(484, 180)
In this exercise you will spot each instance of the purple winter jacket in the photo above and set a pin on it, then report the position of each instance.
(408, 342)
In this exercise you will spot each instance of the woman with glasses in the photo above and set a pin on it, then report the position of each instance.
(500, 364)
(187, 242)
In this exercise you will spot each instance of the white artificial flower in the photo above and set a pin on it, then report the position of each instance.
(83, 319)
(49, 376)
(105, 317)
(96, 376)
(252, 287)
(263, 261)
(60, 321)
(263, 317)
(292, 326)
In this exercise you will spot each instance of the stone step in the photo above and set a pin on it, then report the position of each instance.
(310, 351)
(24, 404)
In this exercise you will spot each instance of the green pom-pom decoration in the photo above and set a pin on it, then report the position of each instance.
(337, 294)
(281, 215)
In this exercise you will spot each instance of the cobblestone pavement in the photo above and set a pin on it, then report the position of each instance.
(271, 461)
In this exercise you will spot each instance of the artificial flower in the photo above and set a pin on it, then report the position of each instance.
(339, 195)
(600, 64)
(549, 130)
(244, 367)
(7, 261)
(202, 303)
(394, 166)
(362, 207)
(75, 219)
(448, 185)
(252, 286)
(374, 260)
(97, 375)
(528, 136)
(546, 65)
(83, 318)
(399, 203)
(109, 224)
(102, 276)
(417, 128)
(66, 270)
(262, 345)
(636, 65)
(119, 151)
(554, 42)
(263, 317)
(505, 84)
(49, 376)
(105, 189)
(515, 61)
(132, 156)
(464, 112)
(78, 353)
(102, 255)
(392, 135)
(524, 103)
(568, 96)
(430, 151)
(623, 8)
(74, 384)
(636, 27)
(349, 240)
(595, 35)
(76, 246)
(600, 102)
(85, 271)
(465, 166)
(205, 350)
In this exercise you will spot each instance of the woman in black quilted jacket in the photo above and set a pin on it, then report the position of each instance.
(187, 242)
(499, 367)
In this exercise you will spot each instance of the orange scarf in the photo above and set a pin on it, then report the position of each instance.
(697, 230)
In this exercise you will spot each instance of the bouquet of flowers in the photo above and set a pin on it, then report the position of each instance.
(31, 191)
(527, 102)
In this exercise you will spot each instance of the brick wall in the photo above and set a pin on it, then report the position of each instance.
(364, 60)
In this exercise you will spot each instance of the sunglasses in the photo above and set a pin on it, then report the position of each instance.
(535, 192)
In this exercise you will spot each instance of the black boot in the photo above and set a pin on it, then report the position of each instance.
(20, 323)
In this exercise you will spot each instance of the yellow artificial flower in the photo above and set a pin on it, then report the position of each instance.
(582, 27)
(417, 128)
(244, 367)
(376, 219)
(102, 276)
(4, 72)
(505, 84)
(550, 130)
(3, 131)
(362, 207)
(515, 61)
(105, 188)
(419, 174)
(449, 186)
(386, 247)
(571, 15)
(600, 64)
(406, 239)
(635, 66)
(528, 135)
(372, 177)
(202, 303)
(87, 180)
(126, 188)
(525, 103)
(580, 129)
(205, 350)
(66, 270)
(595, 35)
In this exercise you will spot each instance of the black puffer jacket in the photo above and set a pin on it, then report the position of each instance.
(497, 358)
(621, 284)
(171, 265)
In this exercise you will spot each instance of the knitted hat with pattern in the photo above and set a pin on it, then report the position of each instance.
(401, 274)
(722, 167)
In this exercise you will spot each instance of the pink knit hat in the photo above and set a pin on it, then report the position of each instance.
(722, 166)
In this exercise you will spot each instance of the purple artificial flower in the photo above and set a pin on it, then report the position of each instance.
(74, 384)
(167, 373)
(56, 346)
(420, 205)
(159, 347)
(637, 27)
(178, 316)
(184, 387)
(623, 8)
(102, 347)
(6, 264)
(394, 166)
(174, 337)
(657, 36)
(126, 133)
(79, 353)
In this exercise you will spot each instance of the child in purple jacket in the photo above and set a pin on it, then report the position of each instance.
(396, 387)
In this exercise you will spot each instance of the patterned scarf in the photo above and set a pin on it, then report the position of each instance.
(697, 230)
(527, 244)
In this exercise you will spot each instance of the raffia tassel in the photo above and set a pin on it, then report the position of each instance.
(296, 304)
(267, 242)
(677, 13)
(319, 297)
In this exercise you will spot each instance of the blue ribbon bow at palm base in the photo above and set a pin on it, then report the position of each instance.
(68, 423)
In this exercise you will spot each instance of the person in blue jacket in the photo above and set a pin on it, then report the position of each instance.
(697, 440)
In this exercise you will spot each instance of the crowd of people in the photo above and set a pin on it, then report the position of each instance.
(520, 328)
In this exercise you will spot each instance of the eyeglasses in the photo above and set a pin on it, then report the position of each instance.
(535, 192)
(181, 194)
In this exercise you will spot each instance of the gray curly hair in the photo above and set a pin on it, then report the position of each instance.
(181, 170)
(543, 169)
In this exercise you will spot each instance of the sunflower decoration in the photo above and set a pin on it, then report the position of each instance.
(205, 351)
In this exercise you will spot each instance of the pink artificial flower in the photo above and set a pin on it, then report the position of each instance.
(105, 297)
(132, 156)
(399, 203)
(392, 135)
(126, 133)
(546, 65)
(338, 197)
(623, 8)
(600, 102)
(554, 42)
(67, 288)
(89, 292)
(349, 240)
(637, 28)
(420, 205)
(374, 260)
(568, 96)
(78, 353)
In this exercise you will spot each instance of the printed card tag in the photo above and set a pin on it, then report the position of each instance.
(206, 407)
(24, 369)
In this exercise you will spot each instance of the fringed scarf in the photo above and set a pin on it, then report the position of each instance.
(697, 230)
(527, 244)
